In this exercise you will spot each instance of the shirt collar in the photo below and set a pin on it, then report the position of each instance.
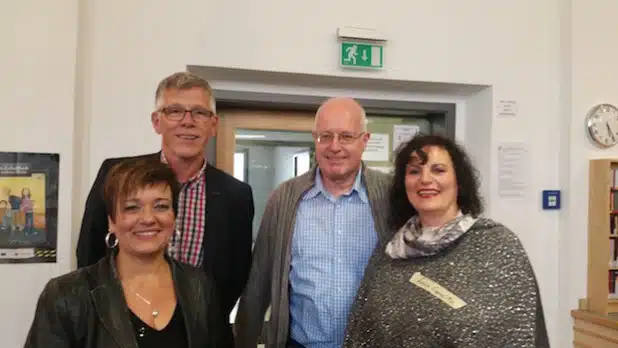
(318, 187)
(197, 175)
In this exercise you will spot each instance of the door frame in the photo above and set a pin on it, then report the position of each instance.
(255, 120)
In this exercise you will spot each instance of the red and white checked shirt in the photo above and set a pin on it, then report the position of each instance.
(186, 243)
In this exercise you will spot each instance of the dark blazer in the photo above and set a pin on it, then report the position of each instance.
(227, 235)
(87, 309)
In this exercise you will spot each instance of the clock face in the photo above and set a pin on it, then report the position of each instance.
(602, 122)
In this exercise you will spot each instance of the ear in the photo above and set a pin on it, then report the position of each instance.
(110, 223)
(156, 122)
(365, 140)
(214, 125)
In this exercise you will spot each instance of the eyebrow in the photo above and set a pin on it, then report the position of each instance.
(412, 163)
(156, 199)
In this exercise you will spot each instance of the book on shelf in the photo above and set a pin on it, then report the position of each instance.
(613, 235)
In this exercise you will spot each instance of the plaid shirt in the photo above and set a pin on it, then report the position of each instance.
(186, 244)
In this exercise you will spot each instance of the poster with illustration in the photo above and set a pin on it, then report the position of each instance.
(28, 207)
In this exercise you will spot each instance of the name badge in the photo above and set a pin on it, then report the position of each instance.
(437, 290)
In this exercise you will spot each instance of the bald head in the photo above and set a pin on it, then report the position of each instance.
(341, 107)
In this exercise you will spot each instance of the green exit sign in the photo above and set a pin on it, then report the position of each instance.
(362, 55)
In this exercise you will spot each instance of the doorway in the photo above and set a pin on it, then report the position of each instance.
(264, 149)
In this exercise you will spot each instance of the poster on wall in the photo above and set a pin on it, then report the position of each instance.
(402, 133)
(28, 207)
(377, 148)
(513, 169)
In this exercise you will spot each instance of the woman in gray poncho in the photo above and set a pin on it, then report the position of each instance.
(448, 278)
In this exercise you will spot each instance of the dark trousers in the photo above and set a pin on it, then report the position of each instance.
(294, 344)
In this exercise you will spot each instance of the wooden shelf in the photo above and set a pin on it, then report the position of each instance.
(592, 330)
(602, 187)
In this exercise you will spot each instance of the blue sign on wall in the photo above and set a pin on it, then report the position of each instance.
(551, 199)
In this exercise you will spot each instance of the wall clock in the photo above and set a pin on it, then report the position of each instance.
(602, 124)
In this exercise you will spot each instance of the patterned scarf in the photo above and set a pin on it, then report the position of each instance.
(414, 241)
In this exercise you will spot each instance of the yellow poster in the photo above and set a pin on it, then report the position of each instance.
(28, 207)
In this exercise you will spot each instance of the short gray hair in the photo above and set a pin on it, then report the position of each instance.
(186, 80)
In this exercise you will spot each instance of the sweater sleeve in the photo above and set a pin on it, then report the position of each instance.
(256, 296)
(516, 310)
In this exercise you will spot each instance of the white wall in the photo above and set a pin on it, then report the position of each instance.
(37, 66)
(554, 57)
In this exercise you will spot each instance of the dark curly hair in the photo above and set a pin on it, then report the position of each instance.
(468, 197)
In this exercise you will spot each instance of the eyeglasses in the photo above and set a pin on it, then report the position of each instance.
(177, 113)
(345, 138)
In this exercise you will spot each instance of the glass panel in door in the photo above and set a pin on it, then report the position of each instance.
(266, 158)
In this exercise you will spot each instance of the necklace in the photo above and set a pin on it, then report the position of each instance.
(155, 313)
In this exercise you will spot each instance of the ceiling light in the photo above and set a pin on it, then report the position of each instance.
(249, 136)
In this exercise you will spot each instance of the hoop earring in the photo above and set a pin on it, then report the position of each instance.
(107, 238)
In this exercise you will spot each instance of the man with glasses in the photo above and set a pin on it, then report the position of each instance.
(315, 239)
(215, 211)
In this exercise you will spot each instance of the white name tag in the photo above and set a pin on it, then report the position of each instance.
(437, 290)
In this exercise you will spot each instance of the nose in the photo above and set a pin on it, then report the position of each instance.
(187, 119)
(148, 217)
(425, 176)
(335, 145)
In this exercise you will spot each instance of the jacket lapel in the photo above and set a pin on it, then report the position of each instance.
(111, 307)
(184, 291)
(214, 212)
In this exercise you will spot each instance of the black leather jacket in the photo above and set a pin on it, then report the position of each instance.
(87, 309)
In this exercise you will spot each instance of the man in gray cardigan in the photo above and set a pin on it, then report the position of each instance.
(315, 238)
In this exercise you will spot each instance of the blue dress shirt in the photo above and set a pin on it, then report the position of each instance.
(332, 242)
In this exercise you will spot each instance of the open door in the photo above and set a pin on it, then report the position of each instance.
(264, 149)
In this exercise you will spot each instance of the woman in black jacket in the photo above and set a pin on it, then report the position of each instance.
(136, 297)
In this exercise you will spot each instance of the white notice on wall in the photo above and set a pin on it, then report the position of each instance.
(402, 133)
(377, 148)
(513, 169)
(506, 108)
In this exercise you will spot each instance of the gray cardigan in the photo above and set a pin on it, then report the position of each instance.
(268, 282)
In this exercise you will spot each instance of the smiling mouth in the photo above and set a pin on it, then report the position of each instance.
(427, 193)
(187, 137)
(146, 233)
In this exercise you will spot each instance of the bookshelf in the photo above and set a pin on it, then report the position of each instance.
(602, 285)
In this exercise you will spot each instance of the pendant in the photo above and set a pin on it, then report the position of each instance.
(155, 314)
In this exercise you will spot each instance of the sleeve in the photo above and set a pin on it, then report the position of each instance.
(256, 296)
(241, 240)
(517, 313)
(91, 243)
(50, 327)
